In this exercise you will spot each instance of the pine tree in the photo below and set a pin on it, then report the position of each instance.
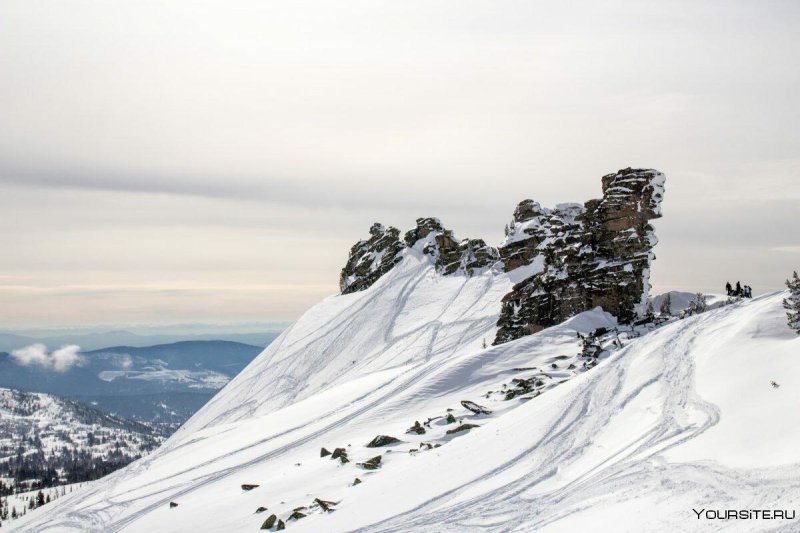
(666, 305)
(792, 303)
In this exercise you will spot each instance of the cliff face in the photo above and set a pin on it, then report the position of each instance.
(581, 257)
(576, 257)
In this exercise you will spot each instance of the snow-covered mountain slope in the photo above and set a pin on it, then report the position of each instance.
(46, 440)
(679, 418)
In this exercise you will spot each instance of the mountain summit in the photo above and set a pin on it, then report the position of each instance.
(571, 258)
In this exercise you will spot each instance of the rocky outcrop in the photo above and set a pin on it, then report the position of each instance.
(371, 259)
(581, 257)
(570, 259)
(450, 255)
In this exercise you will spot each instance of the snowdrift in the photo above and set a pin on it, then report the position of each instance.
(684, 417)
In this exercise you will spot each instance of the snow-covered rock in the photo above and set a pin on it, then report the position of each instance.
(568, 259)
(584, 256)
(371, 259)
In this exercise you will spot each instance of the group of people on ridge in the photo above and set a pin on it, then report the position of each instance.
(746, 291)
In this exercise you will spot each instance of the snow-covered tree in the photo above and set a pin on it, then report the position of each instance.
(649, 313)
(792, 303)
(700, 305)
(696, 306)
(666, 305)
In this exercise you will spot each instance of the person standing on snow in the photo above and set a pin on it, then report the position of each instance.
(738, 289)
(728, 288)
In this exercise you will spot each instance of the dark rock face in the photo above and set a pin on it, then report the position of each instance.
(582, 257)
(371, 259)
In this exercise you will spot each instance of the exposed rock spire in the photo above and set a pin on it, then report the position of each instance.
(581, 257)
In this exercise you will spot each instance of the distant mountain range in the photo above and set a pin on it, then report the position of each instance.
(95, 340)
(159, 385)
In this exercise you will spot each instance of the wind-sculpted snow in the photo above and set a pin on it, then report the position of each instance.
(664, 425)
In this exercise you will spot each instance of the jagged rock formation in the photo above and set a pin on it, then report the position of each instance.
(581, 257)
(371, 259)
(576, 257)
(450, 255)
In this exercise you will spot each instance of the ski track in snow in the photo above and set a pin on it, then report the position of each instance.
(621, 476)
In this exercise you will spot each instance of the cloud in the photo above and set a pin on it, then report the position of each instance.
(59, 360)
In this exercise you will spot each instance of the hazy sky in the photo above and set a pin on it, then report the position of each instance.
(168, 161)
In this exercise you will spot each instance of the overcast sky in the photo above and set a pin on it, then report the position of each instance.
(214, 161)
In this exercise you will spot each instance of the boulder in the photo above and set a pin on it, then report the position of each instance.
(281, 526)
(296, 515)
(249, 487)
(475, 408)
(382, 440)
(324, 453)
(416, 428)
(340, 453)
(462, 427)
(172, 505)
(325, 505)
(371, 464)
(269, 522)
(261, 510)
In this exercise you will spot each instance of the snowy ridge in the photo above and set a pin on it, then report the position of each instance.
(655, 429)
